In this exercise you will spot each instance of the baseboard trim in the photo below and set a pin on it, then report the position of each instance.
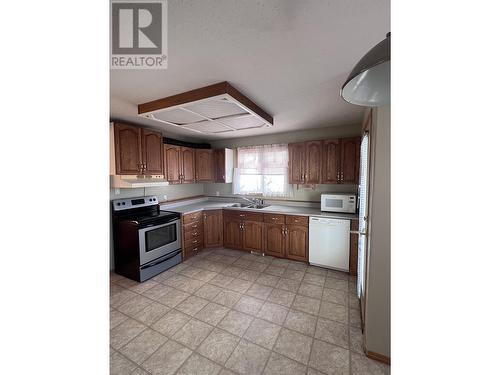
(378, 357)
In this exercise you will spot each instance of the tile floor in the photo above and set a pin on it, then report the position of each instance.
(230, 312)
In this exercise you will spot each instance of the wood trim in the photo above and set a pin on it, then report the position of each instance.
(378, 357)
(204, 93)
(248, 103)
(182, 98)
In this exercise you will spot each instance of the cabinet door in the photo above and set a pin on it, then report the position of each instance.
(187, 163)
(172, 163)
(253, 233)
(212, 228)
(331, 162)
(297, 242)
(349, 173)
(232, 233)
(219, 165)
(274, 240)
(152, 151)
(204, 165)
(128, 149)
(312, 172)
(296, 156)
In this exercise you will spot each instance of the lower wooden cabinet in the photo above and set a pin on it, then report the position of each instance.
(297, 242)
(253, 232)
(274, 240)
(232, 232)
(213, 228)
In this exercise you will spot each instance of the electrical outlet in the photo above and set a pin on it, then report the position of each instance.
(164, 197)
(117, 191)
(217, 193)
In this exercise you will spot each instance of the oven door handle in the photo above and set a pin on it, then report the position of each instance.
(166, 222)
(175, 253)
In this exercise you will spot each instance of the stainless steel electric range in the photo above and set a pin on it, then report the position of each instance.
(146, 240)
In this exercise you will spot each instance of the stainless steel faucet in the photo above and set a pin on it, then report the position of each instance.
(254, 201)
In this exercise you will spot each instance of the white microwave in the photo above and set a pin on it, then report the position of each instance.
(338, 203)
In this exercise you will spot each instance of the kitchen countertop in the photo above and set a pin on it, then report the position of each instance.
(272, 209)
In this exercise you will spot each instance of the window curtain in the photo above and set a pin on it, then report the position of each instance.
(262, 170)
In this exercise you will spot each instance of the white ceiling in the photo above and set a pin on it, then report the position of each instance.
(289, 56)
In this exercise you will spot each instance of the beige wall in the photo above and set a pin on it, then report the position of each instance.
(289, 137)
(302, 194)
(378, 285)
(172, 192)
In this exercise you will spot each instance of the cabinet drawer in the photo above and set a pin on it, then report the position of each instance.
(192, 230)
(275, 219)
(253, 216)
(195, 225)
(193, 241)
(192, 217)
(192, 250)
(297, 220)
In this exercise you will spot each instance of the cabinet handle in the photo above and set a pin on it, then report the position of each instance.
(338, 176)
(195, 249)
(342, 176)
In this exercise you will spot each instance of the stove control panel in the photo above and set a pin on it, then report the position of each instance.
(128, 203)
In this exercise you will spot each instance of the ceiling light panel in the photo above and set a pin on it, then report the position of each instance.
(216, 108)
(178, 116)
(243, 122)
(207, 127)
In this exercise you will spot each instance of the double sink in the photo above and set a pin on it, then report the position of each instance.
(245, 205)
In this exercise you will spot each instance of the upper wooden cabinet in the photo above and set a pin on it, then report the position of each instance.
(187, 158)
(331, 161)
(128, 156)
(312, 171)
(296, 161)
(204, 165)
(137, 150)
(152, 152)
(179, 164)
(223, 165)
(349, 160)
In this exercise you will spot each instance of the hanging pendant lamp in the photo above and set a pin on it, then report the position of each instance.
(369, 83)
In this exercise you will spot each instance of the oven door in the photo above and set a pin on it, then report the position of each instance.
(158, 240)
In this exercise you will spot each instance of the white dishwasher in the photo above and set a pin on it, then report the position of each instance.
(329, 242)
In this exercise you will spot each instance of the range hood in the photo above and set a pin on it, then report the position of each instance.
(218, 108)
(127, 181)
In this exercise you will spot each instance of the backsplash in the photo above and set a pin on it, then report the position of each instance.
(172, 192)
(300, 194)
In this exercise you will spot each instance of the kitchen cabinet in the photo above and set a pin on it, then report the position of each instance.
(274, 235)
(179, 164)
(331, 162)
(305, 162)
(204, 165)
(312, 171)
(128, 155)
(297, 242)
(137, 150)
(296, 161)
(212, 228)
(173, 163)
(152, 152)
(188, 165)
(192, 234)
(253, 232)
(349, 160)
(232, 232)
(223, 165)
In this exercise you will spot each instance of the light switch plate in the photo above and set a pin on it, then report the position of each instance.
(117, 191)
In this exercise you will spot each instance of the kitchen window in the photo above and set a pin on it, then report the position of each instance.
(262, 170)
